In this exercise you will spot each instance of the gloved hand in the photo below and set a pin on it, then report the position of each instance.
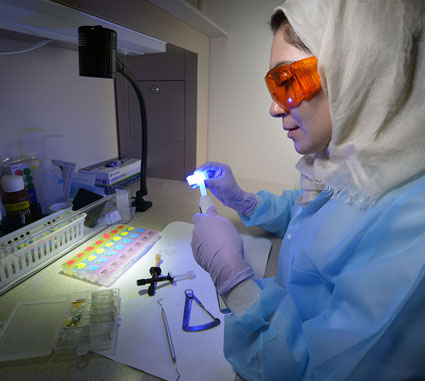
(223, 185)
(218, 249)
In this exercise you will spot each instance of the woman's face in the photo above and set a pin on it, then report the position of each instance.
(309, 123)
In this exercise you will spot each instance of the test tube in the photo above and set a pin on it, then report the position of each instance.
(202, 188)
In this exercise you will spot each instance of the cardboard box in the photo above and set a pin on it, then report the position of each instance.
(113, 171)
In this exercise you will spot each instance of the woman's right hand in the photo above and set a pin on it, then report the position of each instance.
(224, 187)
(218, 249)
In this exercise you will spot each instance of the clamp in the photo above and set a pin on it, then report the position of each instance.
(186, 317)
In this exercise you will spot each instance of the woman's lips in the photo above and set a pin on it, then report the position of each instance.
(291, 131)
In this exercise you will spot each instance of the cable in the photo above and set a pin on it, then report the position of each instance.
(27, 48)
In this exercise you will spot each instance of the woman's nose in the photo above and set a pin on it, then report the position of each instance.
(276, 111)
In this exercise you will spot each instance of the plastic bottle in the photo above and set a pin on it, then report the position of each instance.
(16, 199)
(47, 179)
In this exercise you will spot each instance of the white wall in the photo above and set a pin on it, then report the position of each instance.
(42, 89)
(147, 18)
(240, 129)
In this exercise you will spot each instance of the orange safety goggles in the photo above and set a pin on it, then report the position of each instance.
(290, 84)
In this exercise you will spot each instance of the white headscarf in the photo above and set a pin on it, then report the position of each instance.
(371, 59)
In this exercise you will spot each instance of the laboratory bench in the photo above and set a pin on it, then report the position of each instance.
(172, 201)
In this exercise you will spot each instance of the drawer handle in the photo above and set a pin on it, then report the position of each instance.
(155, 89)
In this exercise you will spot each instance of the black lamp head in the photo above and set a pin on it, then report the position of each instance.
(97, 51)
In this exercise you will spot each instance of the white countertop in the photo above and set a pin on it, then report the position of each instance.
(172, 201)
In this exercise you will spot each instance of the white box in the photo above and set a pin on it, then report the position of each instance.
(109, 175)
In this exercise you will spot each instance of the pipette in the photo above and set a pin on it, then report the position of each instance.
(197, 180)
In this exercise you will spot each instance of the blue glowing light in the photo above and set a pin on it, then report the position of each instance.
(290, 100)
(197, 180)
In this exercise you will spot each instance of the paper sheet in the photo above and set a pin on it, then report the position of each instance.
(142, 342)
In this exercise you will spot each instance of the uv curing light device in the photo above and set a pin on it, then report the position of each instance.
(197, 180)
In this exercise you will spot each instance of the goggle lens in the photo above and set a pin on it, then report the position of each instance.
(290, 84)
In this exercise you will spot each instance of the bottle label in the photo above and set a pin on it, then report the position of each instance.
(18, 207)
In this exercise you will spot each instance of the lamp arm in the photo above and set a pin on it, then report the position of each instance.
(140, 203)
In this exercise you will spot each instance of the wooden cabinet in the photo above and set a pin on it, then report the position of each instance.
(168, 83)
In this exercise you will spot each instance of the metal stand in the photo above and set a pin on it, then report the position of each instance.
(140, 204)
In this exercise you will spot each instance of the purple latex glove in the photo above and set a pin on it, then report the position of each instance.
(218, 249)
(223, 185)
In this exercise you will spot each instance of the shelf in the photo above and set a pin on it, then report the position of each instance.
(191, 16)
(48, 19)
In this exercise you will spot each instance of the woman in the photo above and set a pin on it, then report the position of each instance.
(350, 296)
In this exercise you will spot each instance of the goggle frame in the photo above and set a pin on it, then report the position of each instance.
(290, 84)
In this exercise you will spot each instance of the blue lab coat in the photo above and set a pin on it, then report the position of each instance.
(350, 298)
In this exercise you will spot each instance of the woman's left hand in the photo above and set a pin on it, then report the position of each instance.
(218, 249)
